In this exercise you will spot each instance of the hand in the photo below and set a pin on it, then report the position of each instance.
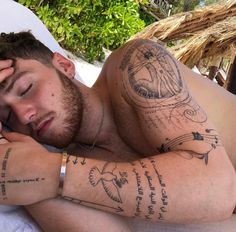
(6, 69)
(28, 172)
(2, 139)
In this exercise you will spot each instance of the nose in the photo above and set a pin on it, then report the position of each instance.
(25, 112)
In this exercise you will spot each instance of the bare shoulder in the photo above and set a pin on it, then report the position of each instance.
(148, 68)
(151, 81)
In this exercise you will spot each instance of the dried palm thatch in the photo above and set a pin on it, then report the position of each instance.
(217, 40)
(186, 24)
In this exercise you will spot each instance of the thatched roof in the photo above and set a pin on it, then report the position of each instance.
(217, 40)
(186, 24)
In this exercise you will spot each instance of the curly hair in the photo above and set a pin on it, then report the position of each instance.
(25, 46)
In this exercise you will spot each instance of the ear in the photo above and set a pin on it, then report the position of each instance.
(64, 65)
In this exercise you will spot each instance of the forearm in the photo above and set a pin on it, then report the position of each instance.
(163, 188)
(63, 216)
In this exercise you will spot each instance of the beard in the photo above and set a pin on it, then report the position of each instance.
(72, 106)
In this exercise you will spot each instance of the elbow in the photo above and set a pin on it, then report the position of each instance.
(230, 195)
(225, 200)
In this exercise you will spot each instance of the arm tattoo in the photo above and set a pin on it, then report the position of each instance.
(154, 84)
(6, 180)
(149, 196)
(211, 139)
(3, 174)
(110, 182)
(163, 79)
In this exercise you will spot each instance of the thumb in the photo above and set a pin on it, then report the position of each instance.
(14, 136)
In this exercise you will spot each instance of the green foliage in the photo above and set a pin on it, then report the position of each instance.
(86, 26)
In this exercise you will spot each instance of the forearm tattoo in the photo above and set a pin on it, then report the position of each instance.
(111, 183)
(7, 180)
(149, 194)
(3, 174)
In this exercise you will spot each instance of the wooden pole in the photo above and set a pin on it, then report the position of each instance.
(231, 78)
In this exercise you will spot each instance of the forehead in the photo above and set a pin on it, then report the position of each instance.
(9, 79)
(22, 67)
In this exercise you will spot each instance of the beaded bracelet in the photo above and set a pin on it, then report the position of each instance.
(62, 172)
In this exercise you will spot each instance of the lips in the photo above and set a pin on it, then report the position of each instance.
(44, 126)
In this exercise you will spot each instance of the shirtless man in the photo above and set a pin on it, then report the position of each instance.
(145, 141)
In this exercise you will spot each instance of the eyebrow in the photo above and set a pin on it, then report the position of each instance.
(15, 77)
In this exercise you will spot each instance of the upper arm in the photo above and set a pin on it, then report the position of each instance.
(169, 116)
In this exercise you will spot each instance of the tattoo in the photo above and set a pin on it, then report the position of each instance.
(140, 193)
(25, 181)
(211, 139)
(83, 162)
(117, 209)
(109, 180)
(153, 208)
(76, 160)
(163, 74)
(154, 84)
(164, 197)
(152, 195)
(3, 174)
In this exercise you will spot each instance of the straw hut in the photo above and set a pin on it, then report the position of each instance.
(206, 35)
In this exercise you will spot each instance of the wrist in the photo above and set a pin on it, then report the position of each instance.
(53, 174)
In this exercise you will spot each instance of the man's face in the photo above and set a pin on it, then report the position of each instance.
(41, 102)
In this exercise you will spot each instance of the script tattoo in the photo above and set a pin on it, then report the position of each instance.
(157, 194)
(212, 139)
(111, 183)
(6, 180)
(3, 174)
(154, 84)
(20, 181)
(164, 196)
(140, 193)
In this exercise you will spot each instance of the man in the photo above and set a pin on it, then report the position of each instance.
(145, 109)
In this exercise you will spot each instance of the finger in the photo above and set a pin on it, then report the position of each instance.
(4, 73)
(6, 63)
(2, 139)
(6, 69)
(14, 136)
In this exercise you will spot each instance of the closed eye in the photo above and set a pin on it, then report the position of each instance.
(25, 91)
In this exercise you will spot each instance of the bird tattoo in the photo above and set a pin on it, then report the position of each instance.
(107, 179)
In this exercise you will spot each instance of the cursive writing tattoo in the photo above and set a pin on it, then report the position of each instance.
(3, 174)
(140, 193)
(163, 191)
(20, 181)
(155, 195)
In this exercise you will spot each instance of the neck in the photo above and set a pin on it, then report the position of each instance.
(93, 117)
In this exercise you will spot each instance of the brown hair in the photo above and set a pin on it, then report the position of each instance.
(24, 45)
